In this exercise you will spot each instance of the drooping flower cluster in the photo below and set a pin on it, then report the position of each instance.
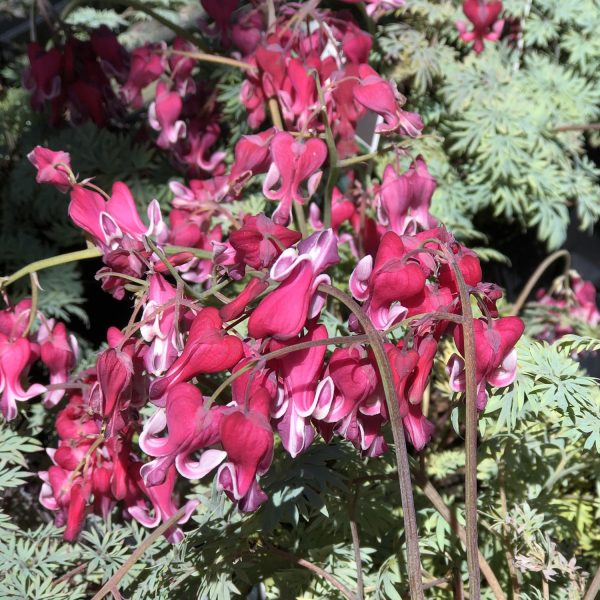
(20, 349)
(76, 78)
(268, 338)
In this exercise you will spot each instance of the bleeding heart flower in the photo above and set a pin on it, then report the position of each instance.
(163, 115)
(404, 200)
(294, 161)
(163, 504)
(58, 352)
(389, 283)
(190, 428)
(495, 354)
(483, 15)
(52, 167)
(207, 350)
(382, 97)
(14, 360)
(282, 313)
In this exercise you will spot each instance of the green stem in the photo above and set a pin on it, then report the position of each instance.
(415, 582)
(46, 263)
(195, 251)
(354, 160)
(300, 219)
(214, 58)
(470, 429)
(34, 303)
(535, 277)
(162, 257)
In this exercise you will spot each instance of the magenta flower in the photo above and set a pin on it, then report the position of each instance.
(410, 369)
(387, 285)
(114, 370)
(163, 116)
(52, 167)
(404, 200)
(353, 380)
(163, 504)
(43, 76)
(15, 357)
(160, 329)
(247, 438)
(108, 222)
(190, 428)
(113, 56)
(257, 244)
(283, 313)
(147, 65)
(251, 158)
(483, 15)
(58, 352)
(207, 350)
(298, 374)
(294, 162)
(382, 97)
(496, 356)
(236, 307)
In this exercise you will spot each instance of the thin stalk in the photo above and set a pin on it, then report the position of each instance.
(112, 583)
(584, 127)
(545, 588)
(336, 583)
(34, 303)
(360, 585)
(510, 563)
(275, 114)
(195, 251)
(46, 263)
(438, 503)
(535, 277)
(300, 219)
(594, 588)
(415, 582)
(470, 429)
(214, 58)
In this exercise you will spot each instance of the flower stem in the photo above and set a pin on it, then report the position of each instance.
(360, 585)
(111, 584)
(336, 583)
(470, 429)
(214, 58)
(594, 588)
(535, 277)
(195, 251)
(438, 503)
(34, 303)
(46, 263)
(415, 582)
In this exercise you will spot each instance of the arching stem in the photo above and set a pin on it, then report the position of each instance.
(470, 428)
(415, 582)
